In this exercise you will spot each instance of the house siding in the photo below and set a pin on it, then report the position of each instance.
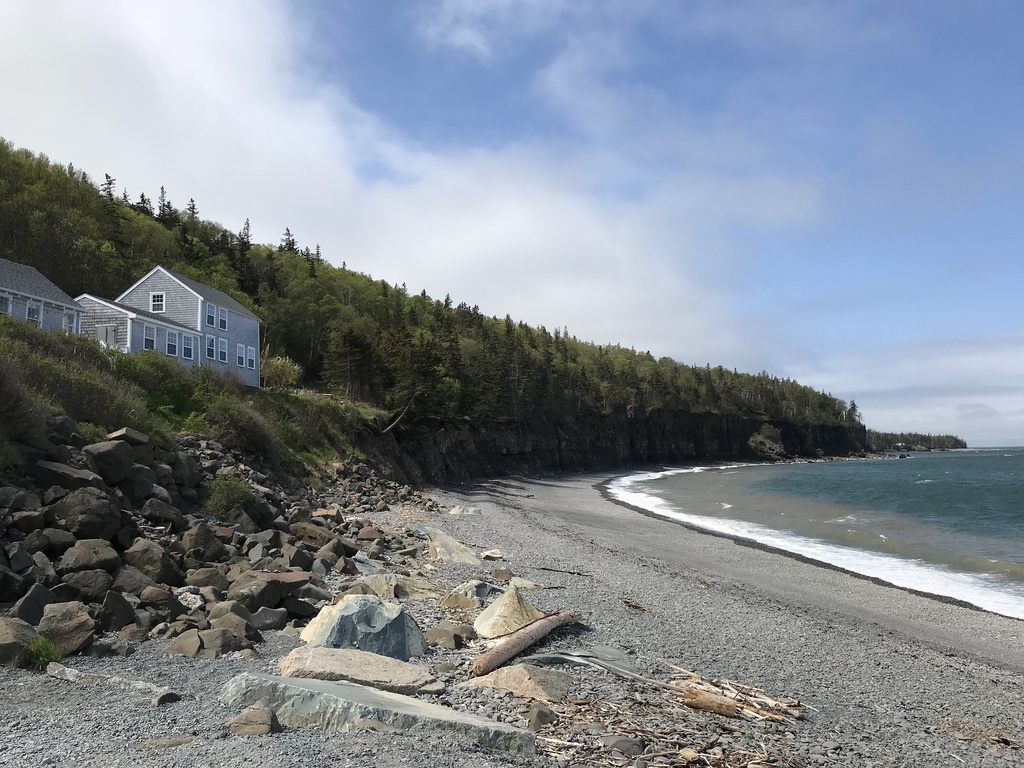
(51, 316)
(181, 305)
(138, 336)
(241, 330)
(96, 315)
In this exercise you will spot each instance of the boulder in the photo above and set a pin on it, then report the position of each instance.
(446, 549)
(131, 580)
(89, 586)
(139, 482)
(220, 641)
(30, 607)
(204, 542)
(12, 585)
(110, 459)
(469, 595)
(68, 625)
(449, 635)
(131, 436)
(343, 706)
(159, 512)
(42, 570)
(237, 625)
(257, 720)
(368, 623)
(507, 614)
(527, 682)
(270, 618)
(188, 643)
(258, 589)
(151, 559)
(88, 555)
(52, 473)
(15, 638)
(208, 577)
(357, 666)
(402, 587)
(116, 612)
(88, 513)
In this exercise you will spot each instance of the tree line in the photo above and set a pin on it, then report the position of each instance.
(912, 441)
(365, 339)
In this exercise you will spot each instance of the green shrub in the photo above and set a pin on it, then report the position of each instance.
(41, 651)
(228, 496)
(279, 372)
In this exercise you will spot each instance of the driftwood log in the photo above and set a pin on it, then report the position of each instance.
(522, 639)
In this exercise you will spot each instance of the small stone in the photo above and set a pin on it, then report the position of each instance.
(257, 720)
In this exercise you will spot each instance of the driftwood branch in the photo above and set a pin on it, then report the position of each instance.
(520, 640)
(395, 422)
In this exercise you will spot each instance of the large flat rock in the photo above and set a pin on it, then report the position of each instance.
(344, 706)
(357, 666)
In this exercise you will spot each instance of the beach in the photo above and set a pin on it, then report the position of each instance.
(889, 677)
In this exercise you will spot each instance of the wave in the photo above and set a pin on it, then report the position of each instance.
(984, 590)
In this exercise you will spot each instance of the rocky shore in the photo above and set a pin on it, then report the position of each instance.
(190, 640)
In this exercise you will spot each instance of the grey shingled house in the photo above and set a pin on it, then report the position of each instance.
(26, 295)
(182, 318)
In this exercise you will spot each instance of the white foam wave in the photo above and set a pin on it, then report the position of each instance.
(986, 592)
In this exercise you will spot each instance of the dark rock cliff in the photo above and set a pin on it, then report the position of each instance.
(438, 453)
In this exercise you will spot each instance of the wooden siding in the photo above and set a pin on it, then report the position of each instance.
(181, 305)
(51, 316)
(96, 315)
(241, 330)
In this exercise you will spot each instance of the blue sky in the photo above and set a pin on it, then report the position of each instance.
(830, 191)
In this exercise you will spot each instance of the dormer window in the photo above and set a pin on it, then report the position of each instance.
(156, 302)
(211, 315)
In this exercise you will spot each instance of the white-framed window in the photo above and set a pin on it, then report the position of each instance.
(211, 347)
(172, 344)
(250, 359)
(211, 315)
(187, 347)
(222, 318)
(148, 337)
(156, 302)
(33, 313)
(5, 305)
(240, 355)
(69, 322)
(222, 349)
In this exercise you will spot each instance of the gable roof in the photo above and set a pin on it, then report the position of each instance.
(212, 295)
(21, 278)
(140, 313)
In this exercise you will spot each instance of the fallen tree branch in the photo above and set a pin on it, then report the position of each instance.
(522, 639)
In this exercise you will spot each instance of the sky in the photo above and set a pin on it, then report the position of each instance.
(830, 191)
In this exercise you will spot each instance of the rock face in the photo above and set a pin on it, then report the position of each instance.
(368, 623)
(343, 706)
(507, 614)
(356, 666)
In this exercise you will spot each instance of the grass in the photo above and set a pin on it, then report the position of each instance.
(42, 651)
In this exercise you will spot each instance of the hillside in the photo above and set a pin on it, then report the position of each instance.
(471, 394)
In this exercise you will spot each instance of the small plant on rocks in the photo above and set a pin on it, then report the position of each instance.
(41, 651)
(228, 495)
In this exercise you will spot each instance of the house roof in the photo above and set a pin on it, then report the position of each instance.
(212, 295)
(143, 314)
(21, 278)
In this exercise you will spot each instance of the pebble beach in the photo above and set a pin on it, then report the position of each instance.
(884, 676)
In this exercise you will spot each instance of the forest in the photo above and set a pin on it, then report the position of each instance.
(333, 329)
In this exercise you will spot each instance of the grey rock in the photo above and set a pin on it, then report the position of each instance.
(89, 554)
(15, 638)
(88, 513)
(110, 459)
(51, 473)
(30, 607)
(270, 618)
(116, 612)
(158, 511)
(342, 706)
(90, 586)
(368, 623)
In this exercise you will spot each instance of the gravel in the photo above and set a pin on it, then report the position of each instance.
(894, 679)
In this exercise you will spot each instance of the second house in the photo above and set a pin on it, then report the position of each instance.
(181, 318)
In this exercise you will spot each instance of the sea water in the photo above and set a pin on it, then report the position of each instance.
(948, 523)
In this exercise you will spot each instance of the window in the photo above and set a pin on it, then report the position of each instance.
(172, 344)
(222, 349)
(187, 348)
(240, 355)
(156, 302)
(211, 315)
(5, 305)
(222, 316)
(69, 322)
(148, 337)
(32, 313)
(251, 358)
(211, 347)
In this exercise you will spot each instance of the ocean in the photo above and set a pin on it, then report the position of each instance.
(947, 523)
